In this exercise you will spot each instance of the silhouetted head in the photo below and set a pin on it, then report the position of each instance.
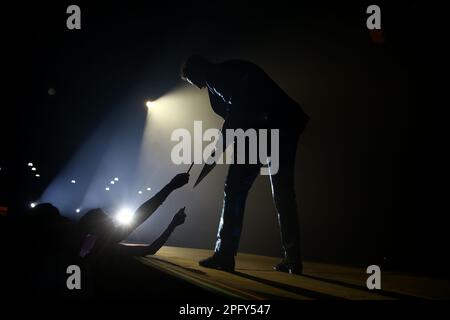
(43, 226)
(194, 70)
(45, 211)
(97, 223)
(43, 218)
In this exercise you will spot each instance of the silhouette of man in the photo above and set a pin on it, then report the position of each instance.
(246, 97)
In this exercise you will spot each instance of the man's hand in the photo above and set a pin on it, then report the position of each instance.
(179, 180)
(178, 218)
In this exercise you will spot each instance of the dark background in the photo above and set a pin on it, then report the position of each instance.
(372, 176)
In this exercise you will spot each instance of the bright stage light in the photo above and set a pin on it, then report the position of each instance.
(140, 192)
(124, 216)
(112, 182)
(116, 179)
(176, 105)
(107, 189)
(73, 181)
(38, 175)
(148, 189)
(149, 104)
(33, 169)
(78, 211)
(32, 205)
(30, 164)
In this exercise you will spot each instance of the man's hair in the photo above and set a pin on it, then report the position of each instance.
(193, 62)
(93, 221)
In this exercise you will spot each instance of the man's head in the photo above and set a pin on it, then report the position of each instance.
(194, 70)
(44, 227)
(96, 222)
(45, 211)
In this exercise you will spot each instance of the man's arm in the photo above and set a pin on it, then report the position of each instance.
(151, 205)
(143, 250)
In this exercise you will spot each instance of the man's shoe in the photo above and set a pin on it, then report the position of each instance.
(218, 262)
(289, 267)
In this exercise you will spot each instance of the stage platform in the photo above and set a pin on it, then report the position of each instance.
(254, 279)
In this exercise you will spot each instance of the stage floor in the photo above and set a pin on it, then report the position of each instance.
(255, 279)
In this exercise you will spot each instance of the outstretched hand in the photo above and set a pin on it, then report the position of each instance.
(179, 180)
(179, 218)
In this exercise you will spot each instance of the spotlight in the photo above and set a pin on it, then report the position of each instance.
(149, 104)
(140, 192)
(30, 164)
(124, 216)
(112, 182)
(148, 189)
(107, 188)
(73, 181)
(77, 211)
(38, 175)
(33, 169)
(32, 205)
(116, 179)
